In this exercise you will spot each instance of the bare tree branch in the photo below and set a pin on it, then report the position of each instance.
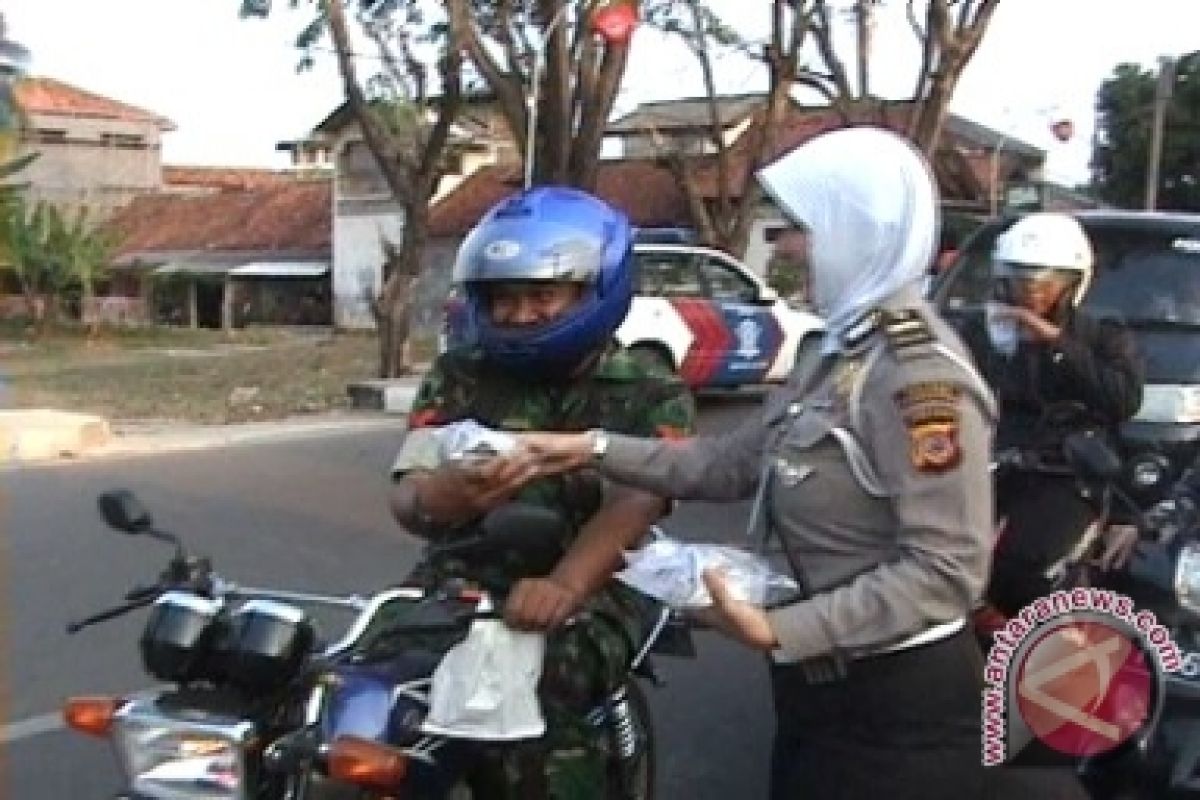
(822, 31)
(506, 86)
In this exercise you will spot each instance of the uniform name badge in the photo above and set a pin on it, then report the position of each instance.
(930, 412)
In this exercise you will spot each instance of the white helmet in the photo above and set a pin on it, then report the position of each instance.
(1045, 242)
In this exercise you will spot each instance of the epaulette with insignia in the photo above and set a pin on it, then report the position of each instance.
(906, 331)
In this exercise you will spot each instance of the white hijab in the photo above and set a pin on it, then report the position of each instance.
(869, 201)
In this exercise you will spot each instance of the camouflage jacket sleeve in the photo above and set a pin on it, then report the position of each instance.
(435, 404)
(927, 427)
(666, 409)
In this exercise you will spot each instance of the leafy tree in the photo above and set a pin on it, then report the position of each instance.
(405, 120)
(580, 73)
(54, 256)
(1120, 158)
(801, 52)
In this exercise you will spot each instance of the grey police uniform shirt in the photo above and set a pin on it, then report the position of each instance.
(877, 468)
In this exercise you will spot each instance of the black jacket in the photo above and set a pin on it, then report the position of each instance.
(1090, 378)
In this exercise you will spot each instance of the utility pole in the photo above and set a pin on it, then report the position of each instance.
(1162, 96)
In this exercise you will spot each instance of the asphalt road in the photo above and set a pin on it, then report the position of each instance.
(304, 514)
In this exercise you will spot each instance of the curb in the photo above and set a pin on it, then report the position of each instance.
(40, 434)
(143, 440)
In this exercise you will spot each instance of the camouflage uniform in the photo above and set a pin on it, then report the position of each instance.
(588, 659)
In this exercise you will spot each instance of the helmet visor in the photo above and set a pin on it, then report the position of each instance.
(1034, 273)
(517, 251)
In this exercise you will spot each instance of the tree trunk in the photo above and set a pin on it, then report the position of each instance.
(393, 308)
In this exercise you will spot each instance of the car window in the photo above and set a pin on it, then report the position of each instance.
(972, 275)
(727, 284)
(1146, 277)
(668, 274)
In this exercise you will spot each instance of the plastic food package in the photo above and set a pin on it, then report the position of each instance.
(673, 572)
(485, 687)
(468, 440)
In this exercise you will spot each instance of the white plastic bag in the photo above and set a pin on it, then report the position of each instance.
(486, 686)
(468, 439)
(673, 572)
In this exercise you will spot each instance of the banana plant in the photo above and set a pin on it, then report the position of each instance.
(53, 255)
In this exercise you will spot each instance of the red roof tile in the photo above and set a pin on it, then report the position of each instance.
(959, 180)
(644, 190)
(289, 217)
(225, 178)
(49, 96)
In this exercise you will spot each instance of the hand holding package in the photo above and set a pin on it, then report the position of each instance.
(673, 573)
(468, 438)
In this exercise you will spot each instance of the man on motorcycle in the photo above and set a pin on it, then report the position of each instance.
(1055, 371)
(547, 276)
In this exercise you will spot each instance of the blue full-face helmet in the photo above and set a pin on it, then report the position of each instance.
(558, 235)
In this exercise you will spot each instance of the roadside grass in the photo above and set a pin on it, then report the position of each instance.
(198, 376)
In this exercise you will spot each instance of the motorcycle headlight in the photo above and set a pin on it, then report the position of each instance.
(1146, 472)
(1187, 578)
(197, 757)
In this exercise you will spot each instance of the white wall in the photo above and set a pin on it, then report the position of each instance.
(758, 249)
(358, 231)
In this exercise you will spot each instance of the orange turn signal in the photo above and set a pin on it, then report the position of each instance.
(92, 715)
(363, 762)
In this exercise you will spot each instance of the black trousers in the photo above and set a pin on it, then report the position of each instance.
(1046, 517)
(901, 725)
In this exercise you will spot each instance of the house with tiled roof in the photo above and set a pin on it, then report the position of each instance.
(365, 214)
(228, 258)
(94, 151)
(973, 165)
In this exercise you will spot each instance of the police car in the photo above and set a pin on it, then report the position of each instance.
(704, 314)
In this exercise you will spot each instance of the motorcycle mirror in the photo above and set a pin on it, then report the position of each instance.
(122, 511)
(1091, 455)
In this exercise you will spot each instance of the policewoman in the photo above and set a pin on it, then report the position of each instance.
(871, 469)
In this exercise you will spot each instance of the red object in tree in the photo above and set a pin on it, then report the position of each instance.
(1063, 129)
(615, 22)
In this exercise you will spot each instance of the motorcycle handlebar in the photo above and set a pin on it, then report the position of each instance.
(124, 608)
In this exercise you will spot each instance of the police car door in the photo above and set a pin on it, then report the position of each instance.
(749, 335)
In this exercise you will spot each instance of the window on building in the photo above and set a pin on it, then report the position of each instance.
(124, 141)
(50, 135)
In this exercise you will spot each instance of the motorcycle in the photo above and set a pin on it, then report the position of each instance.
(256, 707)
(1161, 575)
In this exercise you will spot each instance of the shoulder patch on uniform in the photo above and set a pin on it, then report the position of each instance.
(906, 330)
(930, 414)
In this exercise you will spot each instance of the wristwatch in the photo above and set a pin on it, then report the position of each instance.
(599, 443)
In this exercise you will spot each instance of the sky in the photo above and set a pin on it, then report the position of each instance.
(232, 90)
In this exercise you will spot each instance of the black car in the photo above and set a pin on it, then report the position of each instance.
(1147, 274)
